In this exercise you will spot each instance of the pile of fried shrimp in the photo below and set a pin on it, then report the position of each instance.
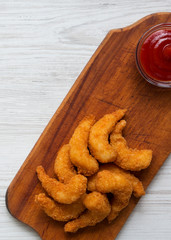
(93, 179)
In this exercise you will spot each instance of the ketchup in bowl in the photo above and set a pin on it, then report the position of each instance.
(153, 55)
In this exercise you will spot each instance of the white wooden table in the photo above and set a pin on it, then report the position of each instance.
(44, 45)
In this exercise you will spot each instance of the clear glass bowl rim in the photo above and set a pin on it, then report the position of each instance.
(166, 84)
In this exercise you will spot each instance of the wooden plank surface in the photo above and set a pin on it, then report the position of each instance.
(40, 67)
(108, 82)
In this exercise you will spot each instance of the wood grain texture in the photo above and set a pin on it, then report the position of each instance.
(108, 82)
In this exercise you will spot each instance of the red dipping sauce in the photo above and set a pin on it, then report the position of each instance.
(153, 55)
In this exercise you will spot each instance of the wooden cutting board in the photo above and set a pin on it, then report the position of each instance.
(109, 81)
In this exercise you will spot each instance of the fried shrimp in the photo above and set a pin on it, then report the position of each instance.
(58, 211)
(96, 160)
(63, 167)
(79, 153)
(99, 144)
(98, 208)
(138, 189)
(119, 186)
(127, 158)
(63, 193)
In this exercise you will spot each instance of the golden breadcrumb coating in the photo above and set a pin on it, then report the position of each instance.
(99, 151)
(98, 209)
(138, 189)
(127, 158)
(119, 186)
(79, 153)
(63, 193)
(63, 167)
(99, 144)
(59, 211)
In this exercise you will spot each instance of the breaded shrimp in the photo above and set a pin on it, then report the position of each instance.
(63, 167)
(99, 144)
(119, 186)
(138, 189)
(58, 211)
(98, 209)
(63, 193)
(127, 158)
(79, 153)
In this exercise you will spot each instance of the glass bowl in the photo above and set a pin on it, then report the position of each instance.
(151, 60)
